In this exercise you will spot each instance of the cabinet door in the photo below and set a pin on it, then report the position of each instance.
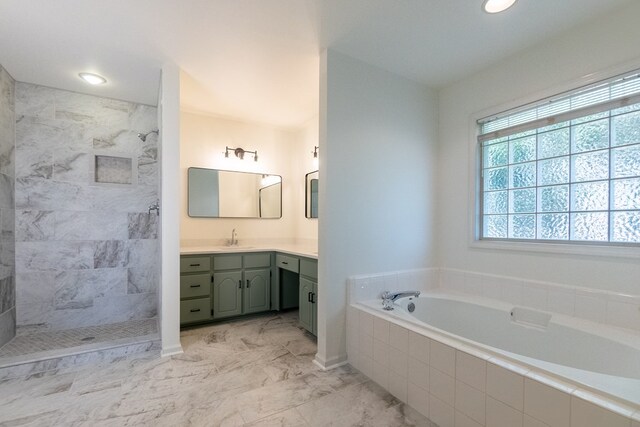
(314, 304)
(227, 294)
(305, 310)
(257, 290)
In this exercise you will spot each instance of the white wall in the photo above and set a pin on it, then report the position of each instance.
(306, 229)
(169, 122)
(377, 142)
(202, 144)
(606, 45)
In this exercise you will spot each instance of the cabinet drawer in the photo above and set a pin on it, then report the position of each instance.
(287, 262)
(227, 262)
(257, 260)
(309, 268)
(195, 264)
(195, 285)
(195, 310)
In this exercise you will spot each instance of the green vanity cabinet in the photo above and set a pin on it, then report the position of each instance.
(257, 290)
(308, 296)
(195, 289)
(241, 284)
(227, 294)
(307, 310)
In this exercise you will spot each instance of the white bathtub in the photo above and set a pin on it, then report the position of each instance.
(592, 356)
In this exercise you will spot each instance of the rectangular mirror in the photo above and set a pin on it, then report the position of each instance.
(311, 195)
(214, 193)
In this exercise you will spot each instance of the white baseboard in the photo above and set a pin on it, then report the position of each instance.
(170, 351)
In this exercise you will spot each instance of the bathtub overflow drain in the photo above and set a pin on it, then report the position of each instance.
(411, 307)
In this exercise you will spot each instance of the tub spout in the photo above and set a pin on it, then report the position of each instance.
(388, 298)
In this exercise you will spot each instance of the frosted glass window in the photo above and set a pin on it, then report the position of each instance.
(567, 178)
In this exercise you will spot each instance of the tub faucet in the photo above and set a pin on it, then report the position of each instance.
(388, 298)
(234, 238)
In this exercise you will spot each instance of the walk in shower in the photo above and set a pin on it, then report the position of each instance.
(79, 243)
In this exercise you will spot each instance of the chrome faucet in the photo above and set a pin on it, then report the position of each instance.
(234, 238)
(155, 207)
(388, 298)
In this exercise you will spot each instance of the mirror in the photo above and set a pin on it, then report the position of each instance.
(214, 193)
(311, 195)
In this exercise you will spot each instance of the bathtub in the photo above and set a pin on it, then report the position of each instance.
(600, 361)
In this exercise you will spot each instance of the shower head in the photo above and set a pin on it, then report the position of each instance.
(143, 136)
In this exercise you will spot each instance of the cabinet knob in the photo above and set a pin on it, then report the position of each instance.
(195, 310)
(239, 284)
(248, 284)
(309, 297)
(195, 286)
(194, 265)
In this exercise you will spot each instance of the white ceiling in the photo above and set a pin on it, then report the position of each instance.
(257, 60)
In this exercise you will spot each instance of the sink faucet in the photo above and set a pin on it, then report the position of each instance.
(388, 298)
(234, 238)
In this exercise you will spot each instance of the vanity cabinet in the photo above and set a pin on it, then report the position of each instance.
(227, 294)
(241, 284)
(308, 296)
(195, 289)
(219, 286)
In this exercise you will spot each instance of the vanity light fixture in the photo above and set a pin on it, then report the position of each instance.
(315, 151)
(240, 152)
(92, 79)
(496, 6)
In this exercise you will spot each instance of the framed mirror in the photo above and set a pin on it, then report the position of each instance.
(311, 195)
(214, 193)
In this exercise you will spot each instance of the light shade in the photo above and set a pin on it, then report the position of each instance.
(92, 79)
(495, 6)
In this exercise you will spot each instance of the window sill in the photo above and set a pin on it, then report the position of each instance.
(559, 248)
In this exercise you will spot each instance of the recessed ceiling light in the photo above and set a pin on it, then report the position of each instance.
(92, 79)
(495, 6)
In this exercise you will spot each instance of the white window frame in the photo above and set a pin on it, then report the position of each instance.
(599, 249)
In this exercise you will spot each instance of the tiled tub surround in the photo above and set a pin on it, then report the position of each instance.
(86, 252)
(454, 383)
(7, 211)
(612, 308)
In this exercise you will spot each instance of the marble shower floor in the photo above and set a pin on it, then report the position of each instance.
(250, 372)
(34, 345)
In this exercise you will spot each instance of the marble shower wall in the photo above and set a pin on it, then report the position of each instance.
(86, 252)
(7, 188)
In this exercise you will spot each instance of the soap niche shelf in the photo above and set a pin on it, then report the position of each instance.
(114, 169)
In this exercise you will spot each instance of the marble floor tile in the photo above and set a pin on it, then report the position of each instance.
(364, 404)
(288, 418)
(271, 399)
(304, 346)
(248, 372)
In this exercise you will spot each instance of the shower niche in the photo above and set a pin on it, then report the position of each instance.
(109, 169)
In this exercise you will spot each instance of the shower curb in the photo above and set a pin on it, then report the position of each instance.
(69, 358)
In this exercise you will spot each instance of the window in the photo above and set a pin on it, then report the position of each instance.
(566, 168)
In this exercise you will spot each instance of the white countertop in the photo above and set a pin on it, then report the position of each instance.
(288, 248)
